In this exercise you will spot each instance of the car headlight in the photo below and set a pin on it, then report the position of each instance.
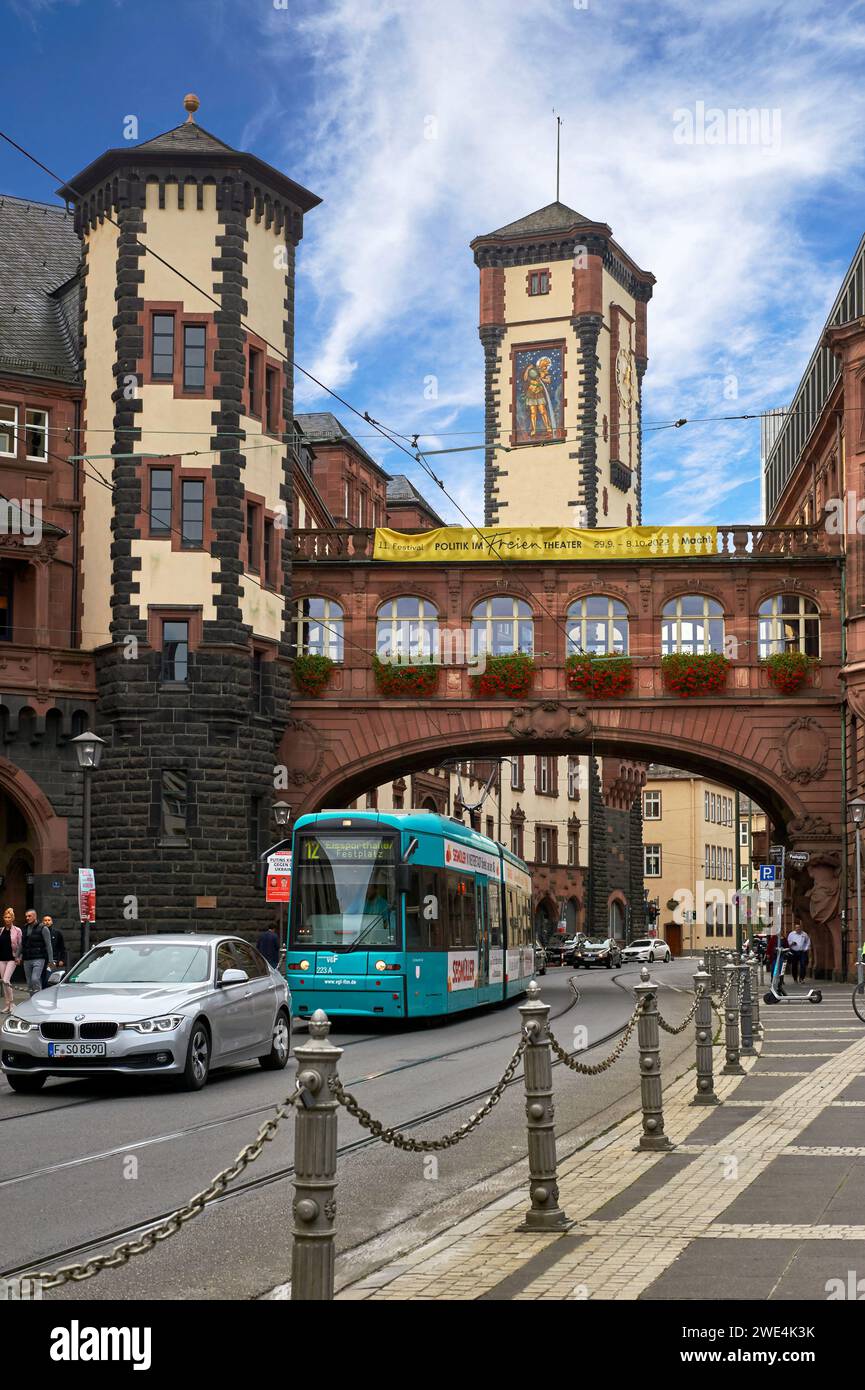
(164, 1024)
(16, 1024)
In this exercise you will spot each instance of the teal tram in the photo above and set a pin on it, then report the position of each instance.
(404, 915)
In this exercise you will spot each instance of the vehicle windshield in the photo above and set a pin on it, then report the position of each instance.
(142, 963)
(645, 942)
(346, 893)
(595, 941)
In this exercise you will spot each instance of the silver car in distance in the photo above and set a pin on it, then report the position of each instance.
(174, 1004)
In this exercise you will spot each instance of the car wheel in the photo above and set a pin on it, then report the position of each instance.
(609, 965)
(651, 958)
(197, 1068)
(27, 1085)
(280, 1045)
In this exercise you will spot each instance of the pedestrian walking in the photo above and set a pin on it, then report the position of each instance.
(268, 945)
(804, 953)
(36, 948)
(10, 956)
(59, 943)
(796, 942)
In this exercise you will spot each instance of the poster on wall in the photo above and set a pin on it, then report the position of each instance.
(539, 395)
(86, 895)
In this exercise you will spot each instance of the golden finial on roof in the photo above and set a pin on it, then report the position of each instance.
(191, 104)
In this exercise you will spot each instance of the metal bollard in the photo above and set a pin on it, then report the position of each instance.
(732, 1066)
(544, 1213)
(716, 970)
(649, 1039)
(746, 1008)
(754, 967)
(703, 1019)
(312, 1255)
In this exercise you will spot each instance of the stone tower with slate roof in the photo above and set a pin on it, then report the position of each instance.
(563, 327)
(187, 399)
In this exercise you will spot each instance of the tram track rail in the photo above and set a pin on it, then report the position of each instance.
(269, 1179)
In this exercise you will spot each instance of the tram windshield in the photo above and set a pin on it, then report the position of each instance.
(346, 893)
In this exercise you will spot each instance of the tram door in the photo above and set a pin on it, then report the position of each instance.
(483, 926)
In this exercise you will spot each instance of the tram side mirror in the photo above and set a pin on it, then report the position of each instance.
(404, 878)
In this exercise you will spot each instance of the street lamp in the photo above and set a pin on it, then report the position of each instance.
(281, 814)
(88, 750)
(856, 812)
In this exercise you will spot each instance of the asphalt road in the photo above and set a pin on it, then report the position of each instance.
(86, 1164)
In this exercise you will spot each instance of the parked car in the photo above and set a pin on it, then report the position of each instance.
(596, 950)
(175, 1005)
(540, 959)
(648, 948)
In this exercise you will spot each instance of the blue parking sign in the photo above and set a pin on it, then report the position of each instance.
(767, 873)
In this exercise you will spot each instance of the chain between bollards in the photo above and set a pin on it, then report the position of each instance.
(754, 967)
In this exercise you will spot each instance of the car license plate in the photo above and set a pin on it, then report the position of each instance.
(77, 1049)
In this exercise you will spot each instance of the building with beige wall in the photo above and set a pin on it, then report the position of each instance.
(689, 851)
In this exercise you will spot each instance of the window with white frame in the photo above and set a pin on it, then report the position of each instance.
(8, 430)
(597, 626)
(503, 625)
(707, 865)
(714, 809)
(788, 623)
(36, 433)
(651, 861)
(706, 806)
(693, 624)
(407, 629)
(573, 778)
(652, 805)
(544, 845)
(743, 833)
(517, 773)
(319, 628)
(543, 775)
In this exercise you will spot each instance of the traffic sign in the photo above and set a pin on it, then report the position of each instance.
(279, 878)
(767, 873)
(798, 856)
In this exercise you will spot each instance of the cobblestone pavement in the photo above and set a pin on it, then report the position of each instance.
(762, 1197)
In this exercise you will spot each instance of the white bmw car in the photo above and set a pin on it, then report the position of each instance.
(648, 948)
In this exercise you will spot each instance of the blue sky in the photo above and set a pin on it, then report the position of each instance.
(425, 122)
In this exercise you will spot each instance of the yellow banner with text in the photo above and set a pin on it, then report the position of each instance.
(497, 543)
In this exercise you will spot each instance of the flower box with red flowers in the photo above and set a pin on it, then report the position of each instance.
(689, 675)
(789, 671)
(312, 674)
(402, 680)
(599, 677)
(510, 676)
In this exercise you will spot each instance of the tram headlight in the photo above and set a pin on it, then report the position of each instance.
(381, 965)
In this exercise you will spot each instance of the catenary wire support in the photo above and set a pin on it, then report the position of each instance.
(315, 1142)
(544, 1213)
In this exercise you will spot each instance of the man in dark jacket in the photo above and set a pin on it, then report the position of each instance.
(37, 948)
(268, 945)
(59, 944)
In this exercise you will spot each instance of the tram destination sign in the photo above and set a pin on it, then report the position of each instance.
(367, 849)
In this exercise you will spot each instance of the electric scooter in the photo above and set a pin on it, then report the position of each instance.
(776, 993)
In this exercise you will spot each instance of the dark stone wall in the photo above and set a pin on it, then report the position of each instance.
(615, 858)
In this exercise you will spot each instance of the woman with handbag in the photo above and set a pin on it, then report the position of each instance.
(10, 956)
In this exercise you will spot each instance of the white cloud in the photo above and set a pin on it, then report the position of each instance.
(742, 287)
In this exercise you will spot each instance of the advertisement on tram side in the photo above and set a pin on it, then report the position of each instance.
(462, 970)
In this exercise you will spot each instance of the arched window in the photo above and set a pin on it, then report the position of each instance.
(789, 623)
(503, 625)
(693, 624)
(319, 628)
(598, 626)
(408, 628)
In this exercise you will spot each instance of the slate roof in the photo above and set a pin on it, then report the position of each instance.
(185, 138)
(39, 288)
(555, 217)
(402, 492)
(321, 426)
